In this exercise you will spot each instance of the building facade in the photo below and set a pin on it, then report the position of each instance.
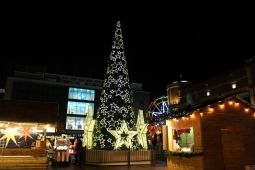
(238, 81)
(76, 96)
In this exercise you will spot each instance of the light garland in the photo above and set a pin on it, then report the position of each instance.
(187, 110)
(116, 101)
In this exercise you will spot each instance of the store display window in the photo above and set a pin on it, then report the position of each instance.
(79, 108)
(81, 94)
(75, 123)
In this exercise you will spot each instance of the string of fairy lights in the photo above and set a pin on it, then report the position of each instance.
(115, 123)
(208, 107)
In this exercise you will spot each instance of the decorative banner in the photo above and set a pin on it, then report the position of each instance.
(9, 134)
(183, 130)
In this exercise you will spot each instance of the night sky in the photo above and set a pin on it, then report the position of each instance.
(162, 39)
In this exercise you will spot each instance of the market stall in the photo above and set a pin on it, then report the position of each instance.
(22, 135)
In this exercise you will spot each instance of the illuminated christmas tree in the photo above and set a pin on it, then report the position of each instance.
(115, 126)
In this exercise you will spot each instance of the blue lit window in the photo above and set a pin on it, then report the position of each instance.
(74, 123)
(81, 94)
(79, 108)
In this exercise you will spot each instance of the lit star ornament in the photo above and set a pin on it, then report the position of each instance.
(142, 130)
(88, 129)
(26, 133)
(123, 136)
(9, 134)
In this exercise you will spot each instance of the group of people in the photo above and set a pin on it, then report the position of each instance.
(77, 146)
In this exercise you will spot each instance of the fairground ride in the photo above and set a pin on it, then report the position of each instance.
(157, 109)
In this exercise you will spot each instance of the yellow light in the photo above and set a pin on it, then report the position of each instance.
(246, 108)
(201, 113)
(233, 85)
(208, 92)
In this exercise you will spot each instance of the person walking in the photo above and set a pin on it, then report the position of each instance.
(77, 150)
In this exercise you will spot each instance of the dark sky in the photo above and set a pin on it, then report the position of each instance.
(162, 39)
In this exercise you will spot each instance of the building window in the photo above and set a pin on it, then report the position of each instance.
(81, 94)
(79, 108)
(74, 123)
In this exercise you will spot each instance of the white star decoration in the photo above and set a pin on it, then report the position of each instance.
(142, 130)
(88, 128)
(127, 141)
(9, 134)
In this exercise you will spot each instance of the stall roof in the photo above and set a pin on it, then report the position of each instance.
(29, 111)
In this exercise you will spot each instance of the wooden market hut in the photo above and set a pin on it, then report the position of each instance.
(221, 132)
(29, 115)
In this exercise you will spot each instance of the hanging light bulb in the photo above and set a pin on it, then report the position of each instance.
(208, 92)
(233, 85)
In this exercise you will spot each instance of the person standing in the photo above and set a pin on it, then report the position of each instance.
(48, 145)
(78, 150)
(154, 141)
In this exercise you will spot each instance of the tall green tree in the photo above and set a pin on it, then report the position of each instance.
(115, 126)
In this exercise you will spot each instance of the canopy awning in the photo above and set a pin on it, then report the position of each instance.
(183, 130)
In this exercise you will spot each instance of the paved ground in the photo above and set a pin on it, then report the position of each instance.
(158, 165)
